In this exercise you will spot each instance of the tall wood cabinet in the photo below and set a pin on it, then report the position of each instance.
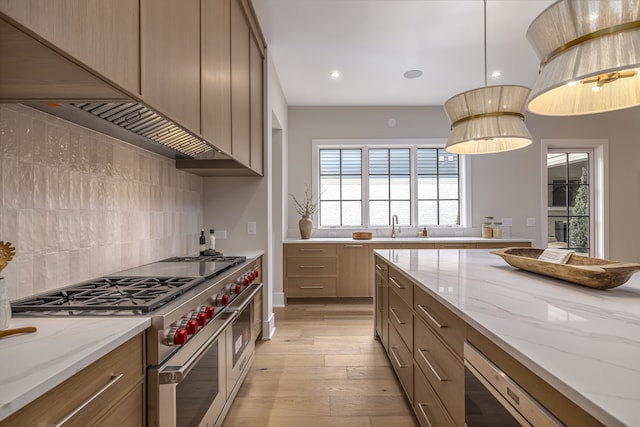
(170, 47)
(109, 392)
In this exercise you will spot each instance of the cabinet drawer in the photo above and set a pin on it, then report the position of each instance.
(427, 406)
(298, 266)
(456, 246)
(446, 324)
(107, 380)
(402, 362)
(401, 317)
(442, 368)
(312, 287)
(401, 285)
(311, 250)
(381, 268)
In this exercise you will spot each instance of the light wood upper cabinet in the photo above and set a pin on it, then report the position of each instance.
(170, 48)
(240, 85)
(216, 73)
(104, 36)
(257, 106)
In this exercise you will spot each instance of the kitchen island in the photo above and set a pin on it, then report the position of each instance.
(582, 342)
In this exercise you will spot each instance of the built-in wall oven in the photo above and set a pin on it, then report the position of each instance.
(493, 399)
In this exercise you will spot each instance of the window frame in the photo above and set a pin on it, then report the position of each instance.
(599, 203)
(464, 173)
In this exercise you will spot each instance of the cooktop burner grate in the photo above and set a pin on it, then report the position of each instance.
(208, 258)
(138, 294)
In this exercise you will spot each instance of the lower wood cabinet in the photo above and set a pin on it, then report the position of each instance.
(427, 406)
(402, 361)
(109, 392)
(354, 267)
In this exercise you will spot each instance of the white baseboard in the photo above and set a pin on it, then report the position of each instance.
(269, 326)
(278, 299)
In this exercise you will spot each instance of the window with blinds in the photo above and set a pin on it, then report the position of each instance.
(366, 186)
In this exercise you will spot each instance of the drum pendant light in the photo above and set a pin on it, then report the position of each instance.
(489, 119)
(589, 53)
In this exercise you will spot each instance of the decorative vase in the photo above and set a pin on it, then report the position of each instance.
(305, 224)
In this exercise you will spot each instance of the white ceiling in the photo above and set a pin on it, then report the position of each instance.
(373, 42)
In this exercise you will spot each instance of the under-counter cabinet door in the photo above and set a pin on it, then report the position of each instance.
(382, 301)
(101, 35)
(109, 392)
(170, 44)
(354, 269)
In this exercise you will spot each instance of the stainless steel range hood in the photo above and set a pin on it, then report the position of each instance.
(133, 122)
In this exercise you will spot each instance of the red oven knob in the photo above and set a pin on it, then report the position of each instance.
(174, 336)
(255, 274)
(208, 311)
(233, 289)
(198, 317)
(220, 300)
(191, 326)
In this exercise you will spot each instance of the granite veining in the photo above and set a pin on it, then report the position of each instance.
(584, 342)
(32, 364)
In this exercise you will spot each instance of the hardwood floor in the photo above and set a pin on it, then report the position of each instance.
(321, 368)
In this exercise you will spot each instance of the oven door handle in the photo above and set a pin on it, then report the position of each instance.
(246, 299)
(172, 374)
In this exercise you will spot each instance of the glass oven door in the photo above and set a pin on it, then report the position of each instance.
(190, 389)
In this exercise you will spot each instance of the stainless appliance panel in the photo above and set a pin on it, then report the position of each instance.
(180, 269)
(492, 398)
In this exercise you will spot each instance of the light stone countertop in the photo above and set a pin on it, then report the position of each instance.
(32, 364)
(584, 342)
(455, 240)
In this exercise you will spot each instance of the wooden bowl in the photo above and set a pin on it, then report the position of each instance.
(583, 270)
(362, 235)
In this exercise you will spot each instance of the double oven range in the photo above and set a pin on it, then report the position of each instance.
(201, 341)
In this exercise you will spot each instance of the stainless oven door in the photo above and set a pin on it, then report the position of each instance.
(241, 340)
(190, 389)
(494, 399)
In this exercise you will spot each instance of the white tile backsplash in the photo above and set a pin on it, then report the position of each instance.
(77, 204)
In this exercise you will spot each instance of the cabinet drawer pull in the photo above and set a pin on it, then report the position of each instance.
(312, 266)
(398, 285)
(423, 308)
(352, 246)
(392, 350)
(424, 353)
(393, 311)
(380, 267)
(310, 250)
(424, 414)
(311, 287)
(114, 379)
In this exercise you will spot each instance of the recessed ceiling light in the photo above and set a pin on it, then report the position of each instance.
(334, 74)
(412, 74)
(496, 74)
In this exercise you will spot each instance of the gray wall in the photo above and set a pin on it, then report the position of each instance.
(504, 185)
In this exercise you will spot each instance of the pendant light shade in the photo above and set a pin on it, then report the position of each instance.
(487, 120)
(589, 53)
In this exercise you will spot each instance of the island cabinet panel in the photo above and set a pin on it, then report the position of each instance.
(427, 405)
(381, 299)
(401, 286)
(354, 268)
(401, 317)
(402, 361)
(443, 369)
(448, 326)
(109, 392)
